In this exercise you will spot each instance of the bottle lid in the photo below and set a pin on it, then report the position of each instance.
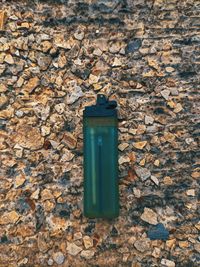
(103, 108)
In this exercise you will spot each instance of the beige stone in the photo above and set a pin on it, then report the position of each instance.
(6, 113)
(3, 100)
(178, 108)
(60, 108)
(123, 159)
(169, 137)
(9, 59)
(87, 254)
(168, 180)
(93, 79)
(88, 242)
(149, 216)
(35, 194)
(170, 243)
(165, 94)
(140, 145)
(20, 82)
(155, 179)
(20, 180)
(169, 69)
(45, 130)
(190, 192)
(168, 263)
(156, 253)
(46, 46)
(141, 129)
(117, 62)
(9, 217)
(156, 162)
(28, 137)
(24, 25)
(3, 88)
(73, 249)
(46, 194)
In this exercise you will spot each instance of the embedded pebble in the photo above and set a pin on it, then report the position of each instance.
(140, 145)
(142, 173)
(93, 79)
(156, 252)
(142, 244)
(73, 249)
(149, 216)
(87, 254)
(45, 130)
(158, 232)
(88, 242)
(165, 93)
(123, 146)
(148, 120)
(50, 262)
(58, 257)
(167, 263)
(155, 179)
(79, 35)
(74, 95)
(191, 192)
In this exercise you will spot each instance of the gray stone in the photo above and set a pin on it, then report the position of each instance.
(142, 173)
(50, 262)
(74, 95)
(58, 257)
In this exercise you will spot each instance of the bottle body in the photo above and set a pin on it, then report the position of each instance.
(101, 193)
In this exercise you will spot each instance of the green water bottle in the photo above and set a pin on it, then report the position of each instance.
(101, 192)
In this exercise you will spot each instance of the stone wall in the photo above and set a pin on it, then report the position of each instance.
(55, 56)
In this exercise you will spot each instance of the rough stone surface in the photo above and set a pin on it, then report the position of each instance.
(28, 137)
(73, 249)
(143, 173)
(55, 57)
(142, 244)
(58, 257)
(149, 216)
(167, 263)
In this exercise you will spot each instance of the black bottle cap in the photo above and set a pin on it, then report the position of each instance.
(103, 108)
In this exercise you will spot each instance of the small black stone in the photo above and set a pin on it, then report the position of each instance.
(114, 231)
(90, 228)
